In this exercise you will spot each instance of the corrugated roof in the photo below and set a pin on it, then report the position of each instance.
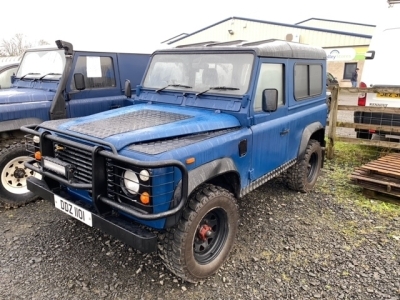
(335, 21)
(274, 23)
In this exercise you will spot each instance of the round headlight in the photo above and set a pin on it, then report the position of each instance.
(144, 175)
(36, 139)
(131, 182)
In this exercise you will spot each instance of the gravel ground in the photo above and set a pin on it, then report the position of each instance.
(289, 246)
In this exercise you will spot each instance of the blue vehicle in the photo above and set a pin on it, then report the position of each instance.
(209, 124)
(55, 83)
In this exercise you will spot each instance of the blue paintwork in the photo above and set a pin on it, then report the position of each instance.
(200, 121)
(267, 147)
(28, 98)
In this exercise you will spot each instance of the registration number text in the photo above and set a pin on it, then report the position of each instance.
(73, 210)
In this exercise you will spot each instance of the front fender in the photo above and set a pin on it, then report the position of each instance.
(198, 176)
(210, 170)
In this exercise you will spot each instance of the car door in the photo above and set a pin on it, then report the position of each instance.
(102, 85)
(270, 129)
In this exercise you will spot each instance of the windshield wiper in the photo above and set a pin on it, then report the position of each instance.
(29, 74)
(174, 85)
(49, 74)
(226, 88)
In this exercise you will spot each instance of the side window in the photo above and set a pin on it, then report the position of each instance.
(97, 70)
(5, 77)
(271, 77)
(307, 81)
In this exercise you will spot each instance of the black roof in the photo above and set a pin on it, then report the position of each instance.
(265, 48)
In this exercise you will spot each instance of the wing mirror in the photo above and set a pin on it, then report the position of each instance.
(79, 81)
(270, 100)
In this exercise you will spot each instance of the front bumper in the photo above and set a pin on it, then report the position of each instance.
(122, 229)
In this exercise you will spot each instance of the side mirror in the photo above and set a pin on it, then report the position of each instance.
(370, 54)
(128, 89)
(79, 81)
(270, 100)
(12, 78)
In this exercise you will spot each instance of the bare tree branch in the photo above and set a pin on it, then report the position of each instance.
(17, 45)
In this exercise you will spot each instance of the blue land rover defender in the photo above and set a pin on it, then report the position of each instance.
(209, 124)
(53, 83)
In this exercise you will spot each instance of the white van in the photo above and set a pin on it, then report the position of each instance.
(381, 68)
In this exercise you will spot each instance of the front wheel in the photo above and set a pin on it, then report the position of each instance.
(304, 174)
(197, 247)
(13, 189)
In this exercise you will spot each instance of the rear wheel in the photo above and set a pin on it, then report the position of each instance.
(13, 189)
(198, 246)
(304, 174)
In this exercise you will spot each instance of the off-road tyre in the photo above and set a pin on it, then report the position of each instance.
(197, 247)
(304, 174)
(14, 193)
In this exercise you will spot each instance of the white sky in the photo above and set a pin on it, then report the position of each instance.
(140, 26)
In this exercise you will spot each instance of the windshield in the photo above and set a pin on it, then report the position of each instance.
(222, 73)
(46, 64)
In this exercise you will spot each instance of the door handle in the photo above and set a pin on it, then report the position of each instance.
(285, 131)
(115, 106)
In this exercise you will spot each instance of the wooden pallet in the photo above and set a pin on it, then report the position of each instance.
(379, 178)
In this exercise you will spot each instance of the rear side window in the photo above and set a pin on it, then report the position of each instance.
(307, 81)
(97, 70)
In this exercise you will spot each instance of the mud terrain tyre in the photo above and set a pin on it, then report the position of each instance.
(304, 174)
(203, 238)
(13, 174)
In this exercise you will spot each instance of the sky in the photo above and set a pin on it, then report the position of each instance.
(140, 26)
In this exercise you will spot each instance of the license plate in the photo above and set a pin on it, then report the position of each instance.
(387, 95)
(73, 210)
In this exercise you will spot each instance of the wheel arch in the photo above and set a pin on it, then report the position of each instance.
(315, 131)
(221, 172)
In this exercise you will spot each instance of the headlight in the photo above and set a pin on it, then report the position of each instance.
(144, 175)
(36, 139)
(131, 182)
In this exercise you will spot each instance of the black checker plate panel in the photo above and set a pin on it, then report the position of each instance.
(167, 145)
(127, 122)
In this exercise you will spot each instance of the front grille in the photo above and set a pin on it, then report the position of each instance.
(159, 187)
(81, 159)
